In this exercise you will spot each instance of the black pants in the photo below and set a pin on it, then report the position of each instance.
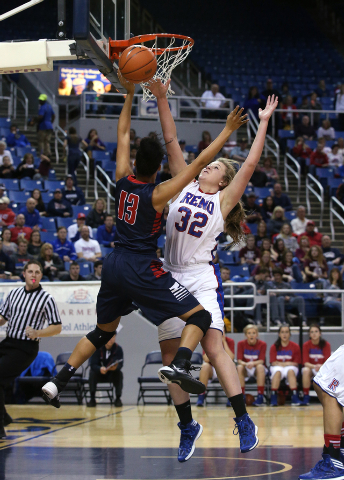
(15, 357)
(115, 377)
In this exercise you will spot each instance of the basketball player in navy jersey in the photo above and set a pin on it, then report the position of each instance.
(132, 272)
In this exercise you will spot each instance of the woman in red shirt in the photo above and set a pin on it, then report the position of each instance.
(315, 352)
(301, 152)
(205, 142)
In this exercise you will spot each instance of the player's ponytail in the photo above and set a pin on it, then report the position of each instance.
(235, 218)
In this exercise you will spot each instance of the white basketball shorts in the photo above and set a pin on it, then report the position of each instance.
(284, 371)
(202, 280)
(330, 377)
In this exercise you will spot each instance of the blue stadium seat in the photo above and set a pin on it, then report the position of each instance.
(47, 196)
(28, 184)
(10, 184)
(94, 233)
(262, 192)
(85, 269)
(240, 270)
(16, 160)
(253, 227)
(81, 209)
(339, 135)
(20, 151)
(108, 165)
(49, 224)
(105, 250)
(324, 174)
(5, 122)
(51, 185)
(226, 257)
(110, 146)
(161, 241)
(290, 215)
(333, 184)
(18, 197)
(286, 134)
(101, 155)
(64, 222)
(191, 148)
(48, 237)
(4, 131)
(312, 144)
(52, 175)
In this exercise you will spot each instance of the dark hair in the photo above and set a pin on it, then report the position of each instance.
(277, 271)
(72, 131)
(250, 95)
(14, 125)
(278, 342)
(61, 228)
(73, 264)
(40, 200)
(97, 263)
(263, 270)
(89, 133)
(265, 205)
(340, 278)
(263, 240)
(275, 246)
(149, 156)
(34, 231)
(33, 262)
(108, 215)
(28, 155)
(322, 342)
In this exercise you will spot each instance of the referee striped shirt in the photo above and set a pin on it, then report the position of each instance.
(32, 308)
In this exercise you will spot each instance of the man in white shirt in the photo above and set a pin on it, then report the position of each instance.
(74, 230)
(240, 153)
(4, 152)
(299, 223)
(213, 100)
(87, 248)
(326, 131)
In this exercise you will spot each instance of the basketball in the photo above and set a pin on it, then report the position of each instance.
(137, 64)
(249, 399)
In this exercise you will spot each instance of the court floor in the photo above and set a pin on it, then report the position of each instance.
(131, 443)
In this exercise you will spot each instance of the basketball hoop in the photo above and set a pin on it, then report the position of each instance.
(170, 50)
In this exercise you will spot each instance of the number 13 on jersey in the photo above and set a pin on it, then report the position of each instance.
(128, 207)
(195, 226)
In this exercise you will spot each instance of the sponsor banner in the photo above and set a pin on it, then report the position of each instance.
(150, 108)
(72, 81)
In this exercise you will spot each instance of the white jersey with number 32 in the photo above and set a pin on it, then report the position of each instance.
(193, 224)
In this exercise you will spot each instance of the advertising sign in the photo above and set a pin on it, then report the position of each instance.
(72, 81)
(150, 108)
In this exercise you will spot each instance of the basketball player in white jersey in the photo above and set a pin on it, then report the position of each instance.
(197, 216)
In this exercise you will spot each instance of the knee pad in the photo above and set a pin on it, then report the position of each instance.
(98, 337)
(202, 320)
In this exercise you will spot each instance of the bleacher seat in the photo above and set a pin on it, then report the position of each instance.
(30, 185)
(52, 185)
(20, 151)
(339, 135)
(84, 269)
(4, 132)
(52, 175)
(48, 224)
(48, 237)
(18, 197)
(10, 184)
(101, 155)
(290, 215)
(253, 227)
(64, 222)
(16, 160)
(262, 192)
(81, 209)
(286, 133)
(333, 184)
(191, 148)
(110, 146)
(105, 250)
(47, 196)
(239, 270)
(227, 257)
(108, 165)
(5, 122)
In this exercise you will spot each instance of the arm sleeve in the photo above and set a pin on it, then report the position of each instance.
(262, 353)
(51, 210)
(305, 354)
(100, 239)
(81, 195)
(273, 354)
(240, 351)
(90, 221)
(69, 209)
(38, 219)
(58, 263)
(52, 313)
(78, 248)
(72, 255)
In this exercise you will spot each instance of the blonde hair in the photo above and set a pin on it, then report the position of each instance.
(99, 200)
(249, 326)
(44, 247)
(278, 209)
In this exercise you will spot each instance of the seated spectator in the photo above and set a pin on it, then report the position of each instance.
(284, 91)
(285, 358)
(44, 167)
(132, 136)
(305, 103)
(97, 215)
(97, 275)
(333, 301)
(7, 170)
(4, 152)
(74, 229)
(16, 139)
(260, 280)
(73, 141)
(213, 100)
(20, 230)
(191, 158)
(165, 174)
(305, 129)
(6, 265)
(313, 236)
(106, 366)
(50, 261)
(254, 101)
(73, 275)
(26, 168)
(63, 247)
(322, 91)
(261, 234)
(74, 195)
(315, 352)
(315, 266)
(332, 255)
(259, 179)
(8, 246)
(335, 159)
(266, 245)
(205, 142)
(270, 90)
(36, 195)
(31, 214)
(326, 149)
(208, 372)
(303, 249)
(290, 242)
(106, 233)
(87, 248)
(7, 215)
(277, 221)
(253, 210)
(240, 153)
(182, 145)
(281, 199)
(268, 169)
(266, 263)
(268, 208)
(301, 152)
(21, 257)
(250, 254)
(315, 105)
(326, 131)
(93, 142)
(290, 270)
(299, 223)
(59, 206)
(278, 250)
(288, 118)
(35, 244)
(251, 361)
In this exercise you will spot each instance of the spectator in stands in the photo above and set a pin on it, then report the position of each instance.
(43, 168)
(73, 194)
(59, 206)
(97, 275)
(305, 103)
(290, 269)
(305, 129)
(87, 248)
(253, 210)
(205, 142)
(268, 208)
(335, 159)
(7, 215)
(31, 214)
(251, 361)
(191, 157)
(259, 178)
(277, 221)
(301, 152)
(318, 159)
(265, 261)
(132, 136)
(137, 142)
(63, 247)
(290, 242)
(213, 100)
(74, 230)
(284, 91)
(106, 233)
(278, 250)
(20, 230)
(268, 169)
(21, 257)
(240, 153)
(6, 265)
(285, 358)
(260, 280)
(35, 244)
(182, 145)
(339, 107)
(266, 245)
(303, 249)
(281, 199)
(261, 234)
(165, 174)
(26, 168)
(289, 118)
(133, 152)
(326, 130)
(90, 97)
(270, 90)
(16, 139)
(93, 142)
(105, 366)
(250, 254)
(73, 141)
(315, 352)
(315, 265)
(7, 170)
(254, 101)
(50, 261)
(4, 152)
(331, 254)
(45, 120)
(73, 275)
(40, 206)
(315, 105)
(96, 216)
(333, 301)
(313, 236)
(322, 91)
(298, 224)
(326, 149)
(8, 246)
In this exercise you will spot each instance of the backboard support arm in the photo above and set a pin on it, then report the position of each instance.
(61, 20)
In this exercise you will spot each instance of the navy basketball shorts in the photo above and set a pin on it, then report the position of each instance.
(129, 277)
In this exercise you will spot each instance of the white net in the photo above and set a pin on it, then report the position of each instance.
(166, 62)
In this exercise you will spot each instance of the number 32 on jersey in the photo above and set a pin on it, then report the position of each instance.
(201, 219)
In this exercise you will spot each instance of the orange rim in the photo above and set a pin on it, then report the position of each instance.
(118, 46)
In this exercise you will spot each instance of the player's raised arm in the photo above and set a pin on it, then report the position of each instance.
(231, 195)
(166, 190)
(123, 167)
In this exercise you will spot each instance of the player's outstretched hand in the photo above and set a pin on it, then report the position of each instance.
(157, 88)
(271, 105)
(130, 87)
(235, 119)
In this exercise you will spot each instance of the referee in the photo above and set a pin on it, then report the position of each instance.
(25, 309)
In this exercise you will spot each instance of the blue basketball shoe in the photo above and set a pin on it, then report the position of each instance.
(326, 468)
(295, 401)
(228, 404)
(188, 435)
(305, 400)
(273, 401)
(247, 431)
(259, 401)
(200, 400)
